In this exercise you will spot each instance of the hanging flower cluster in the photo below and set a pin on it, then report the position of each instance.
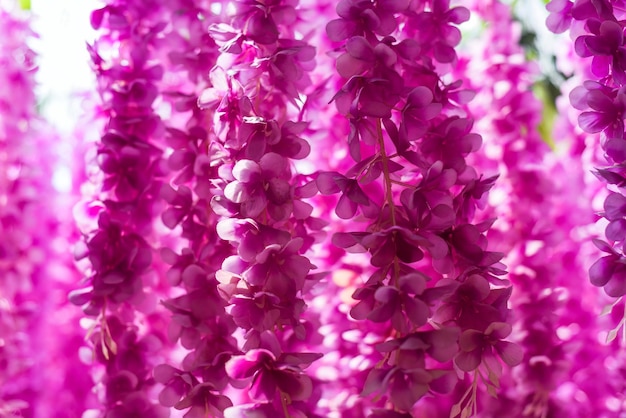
(547, 312)
(307, 209)
(598, 34)
(126, 334)
(434, 282)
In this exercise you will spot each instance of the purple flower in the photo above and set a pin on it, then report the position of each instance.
(615, 212)
(203, 400)
(410, 351)
(279, 269)
(289, 66)
(362, 17)
(262, 410)
(136, 405)
(361, 57)
(608, 108)
(260, 20)
(436, 33)
(450, 142)
(396, 304)
(606, 48)
(419, 109)
(480, 347)
(609, 271)
(560, 17)
(407, 386)
(352, 196)
(473, 304)
(262, 185)
(272, 376)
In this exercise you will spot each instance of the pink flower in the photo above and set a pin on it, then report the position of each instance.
(262, 185)
(480, 347)
(560, 17)
(272, 376)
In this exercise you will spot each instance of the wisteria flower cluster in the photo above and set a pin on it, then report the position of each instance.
(307, 209)
(597, 31)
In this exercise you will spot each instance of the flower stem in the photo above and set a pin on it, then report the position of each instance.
(386, 175)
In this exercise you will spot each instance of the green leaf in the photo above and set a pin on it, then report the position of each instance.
(549, 113)
(25, 4)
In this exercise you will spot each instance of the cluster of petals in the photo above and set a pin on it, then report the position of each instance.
(238, 197)
(601, 101)
(117, 253)
(413, 186)
(540, 210)
(40, 371)
(292, 217)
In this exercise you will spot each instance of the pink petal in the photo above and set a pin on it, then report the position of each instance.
(601, 271)
(511, 354)
(468, 361)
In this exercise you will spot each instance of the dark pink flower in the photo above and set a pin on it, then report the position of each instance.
(608, 108)
(615, 212)
(407, 386)
(352, 197)
(609, 271)
(607, 49)
(363, 17)
(417, 111)
(396, 304)
(272, 376)
(262, 185)
(361, 57)
(436, 33)
(136, 405)
(410, 351)
(481, 347)
(260, 20)
(289, 65)
(279, 269)
(560, 18)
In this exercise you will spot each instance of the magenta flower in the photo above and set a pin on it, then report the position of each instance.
(609, 271)
(272, 376)
(419, 109)
(608, 106)
(407, 386)
(560, 17)
(436, 30)
(361, 56)
(408, 301)
(183, 391)
(234, 136)
(262, 185)
(352, 198)
(606, 48)
(289, 66)
(362, 17)
(279, 269)
(481, 347)
(615, 212)
(137, 405)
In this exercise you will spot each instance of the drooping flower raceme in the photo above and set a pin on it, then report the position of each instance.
(125, 335)
(431, 265)
(532, 223)
(290, 211)
(599, 35)
(35, 271)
